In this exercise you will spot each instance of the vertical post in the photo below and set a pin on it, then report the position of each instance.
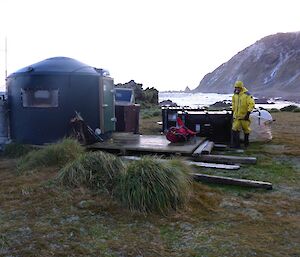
(101, 103)
(5, 57)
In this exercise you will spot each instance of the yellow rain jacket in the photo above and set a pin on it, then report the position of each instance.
(242, 103)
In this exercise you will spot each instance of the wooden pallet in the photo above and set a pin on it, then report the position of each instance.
(153, 144)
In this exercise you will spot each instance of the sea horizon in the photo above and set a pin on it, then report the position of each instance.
(198, 100)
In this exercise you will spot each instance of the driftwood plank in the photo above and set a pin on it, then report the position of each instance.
(231, 181)
(229, 159)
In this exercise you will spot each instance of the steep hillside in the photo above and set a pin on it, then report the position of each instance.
(270, 67)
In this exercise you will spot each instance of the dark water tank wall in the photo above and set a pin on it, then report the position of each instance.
(43, 98)
(3, 120)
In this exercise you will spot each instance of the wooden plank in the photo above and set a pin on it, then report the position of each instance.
(199, 149)
(231, 181)
(208, 148)
(228, 159)
(199, 164)
(216, 179)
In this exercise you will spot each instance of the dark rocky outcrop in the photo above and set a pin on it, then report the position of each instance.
(221, 104)
(147, 96)
(269, 68)
(168, 103)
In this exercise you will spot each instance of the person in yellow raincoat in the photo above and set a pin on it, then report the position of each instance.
(242, 105)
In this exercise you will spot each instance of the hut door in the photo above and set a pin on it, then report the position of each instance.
(107, 104)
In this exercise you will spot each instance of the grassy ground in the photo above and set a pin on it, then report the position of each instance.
(37, 218)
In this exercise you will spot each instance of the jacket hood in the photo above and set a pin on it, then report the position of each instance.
(244, 90)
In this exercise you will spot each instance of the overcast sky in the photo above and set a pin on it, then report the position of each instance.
(167, 44)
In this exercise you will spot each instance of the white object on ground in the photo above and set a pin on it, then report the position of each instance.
(261, 121)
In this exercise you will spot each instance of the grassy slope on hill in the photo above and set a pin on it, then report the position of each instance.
(38, 218)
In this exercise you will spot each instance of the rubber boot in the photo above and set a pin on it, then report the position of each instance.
(235, 139)
(246, 140)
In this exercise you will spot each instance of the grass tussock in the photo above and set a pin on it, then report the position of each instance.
(152, 186)
(95, 170)
(16, 150)
(52, 155)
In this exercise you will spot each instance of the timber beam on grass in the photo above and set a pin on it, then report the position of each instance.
(199, 149)
(204, 148)
(221, 147)
(208, 148)
(213, 165)
(228, 159)
(199, 164)
(232, 181)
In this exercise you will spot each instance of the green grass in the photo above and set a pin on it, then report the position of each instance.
(52, 155)
(271, 166)
(43, 219)
(3, 242)
(150, 112)
(151, 186)
(170, 234)
(95, 170)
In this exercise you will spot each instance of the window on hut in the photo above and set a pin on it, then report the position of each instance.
(40, 98)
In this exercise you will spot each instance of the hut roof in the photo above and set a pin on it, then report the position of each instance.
(59, 65)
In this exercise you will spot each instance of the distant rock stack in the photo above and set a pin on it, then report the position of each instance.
(187, 90)
(269, 68)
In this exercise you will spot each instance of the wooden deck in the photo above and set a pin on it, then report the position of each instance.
(149, 143)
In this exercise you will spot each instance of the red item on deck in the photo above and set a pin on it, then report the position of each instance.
(180, 134)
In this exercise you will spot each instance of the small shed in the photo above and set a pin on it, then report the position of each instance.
(43, 98)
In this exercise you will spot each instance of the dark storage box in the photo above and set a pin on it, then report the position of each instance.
(127, 118)
(214, 125)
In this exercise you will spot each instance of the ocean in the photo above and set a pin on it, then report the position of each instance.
(204, 99)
